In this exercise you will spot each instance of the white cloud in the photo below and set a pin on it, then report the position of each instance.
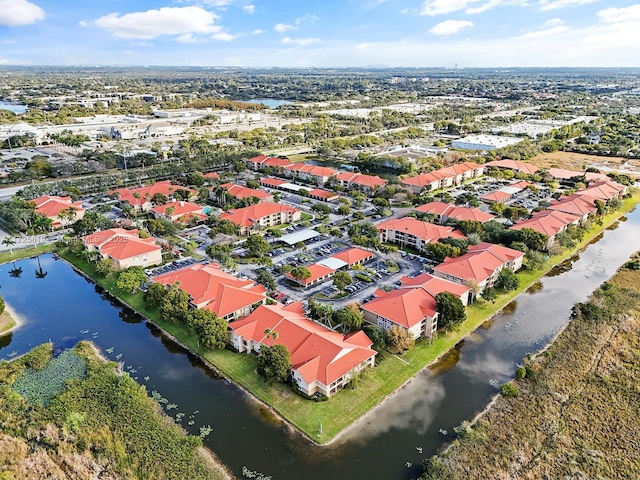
(188, 38)
(258, 31)
(7, 42)
(215, 3)
(616, 15)
(553, 22)
(555, 4)
(308, 18)
(449, 27)
(250, 9)
(224, 37)
(299, 41)
(434, 8)
(283, 27)
(547, 32)
(142, 44)
(154, 23)
(14, 13)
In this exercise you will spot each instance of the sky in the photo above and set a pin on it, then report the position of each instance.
(321, 33)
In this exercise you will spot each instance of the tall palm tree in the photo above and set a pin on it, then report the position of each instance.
(39, 272)
(9, 242)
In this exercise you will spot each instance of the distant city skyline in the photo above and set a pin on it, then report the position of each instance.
(258, 33)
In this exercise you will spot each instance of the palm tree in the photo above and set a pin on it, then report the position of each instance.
(39, 272)
(9, 242)
(272, 334)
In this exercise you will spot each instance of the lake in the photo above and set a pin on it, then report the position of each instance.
(65, 308)
(269, 102)
(13, 107)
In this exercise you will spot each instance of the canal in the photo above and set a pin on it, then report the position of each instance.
(389, 444)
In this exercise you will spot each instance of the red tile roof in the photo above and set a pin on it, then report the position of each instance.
(353, 255)
(272, 182)
(447, 172)
(180, 209)
(317, 353)
(51, 206)
(312, 169)
(523, 167)
(266, 161)
(371, 181)
(547, 222)
(321, 193)
(211, 175)
(604, 190)
(406, 307)
(497, 196)
(435, 285)
(317, 271)
(165, 188)
(426, 231)
(479, 263)
(241, 192)
(247, 216)
(574, 204)
(455, 212)
(121, 244)
(211, 288)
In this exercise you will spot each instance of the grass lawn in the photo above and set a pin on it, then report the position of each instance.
(347, 405)
(6, 256)
(6, 322)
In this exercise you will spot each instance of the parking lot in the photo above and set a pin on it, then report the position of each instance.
(171, 267)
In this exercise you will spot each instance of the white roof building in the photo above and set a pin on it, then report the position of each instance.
(485, 142)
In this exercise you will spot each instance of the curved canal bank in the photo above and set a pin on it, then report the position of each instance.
(247, 434)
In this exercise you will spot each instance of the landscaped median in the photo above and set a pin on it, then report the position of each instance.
(344, 408)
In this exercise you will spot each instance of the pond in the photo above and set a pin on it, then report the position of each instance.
(64, 307)
(13, 107)
(269, 102)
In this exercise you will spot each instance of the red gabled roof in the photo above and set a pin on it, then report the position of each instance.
(211, 175)
(211, 288)
(523, 167)
(426, 231)
(276, 162)
(317, 271)
(317, 353)
(353, 255)
(421, 180)
(497, 196)
(121, 244)
(312, 169)
(241, 192)
(321, 193)
(180, 208)
(247, 216)
(574, 204)
(479, 263)
(406, 307)
(51, 206)
(371, 181)
(258, 159)
(604, 190)
(165, 188)
(435, 285)
(547, 222)
(272, 182)
(455, 212)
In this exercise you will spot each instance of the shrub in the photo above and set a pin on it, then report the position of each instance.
(509, 390)
(521, 372)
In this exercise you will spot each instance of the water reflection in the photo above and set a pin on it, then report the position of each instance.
(534, 288)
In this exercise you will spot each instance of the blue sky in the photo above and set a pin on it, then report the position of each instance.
(321, 33)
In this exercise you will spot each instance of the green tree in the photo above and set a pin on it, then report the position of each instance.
(155, 294)
(265, 278)
(2, 305)
(535, 260)
(175, 305)
(341, 280)
(106, 267)
(131, 279)
(274, 363)
(301, 273)
(451, 311)
(257, 245)
(321, 208)
(439, 251)
(349, 318)
(377, 335)
(212, 331)
(489, 294)
(343, 210)
(9, 242)
(507, 280)
(399, 339)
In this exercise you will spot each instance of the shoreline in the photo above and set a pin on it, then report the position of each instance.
(17, 319)
(632, 203)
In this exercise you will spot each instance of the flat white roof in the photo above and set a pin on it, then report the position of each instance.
(301, 236)
(511, 190)
(334, 263)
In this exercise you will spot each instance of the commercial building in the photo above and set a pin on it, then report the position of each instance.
(485, 142)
